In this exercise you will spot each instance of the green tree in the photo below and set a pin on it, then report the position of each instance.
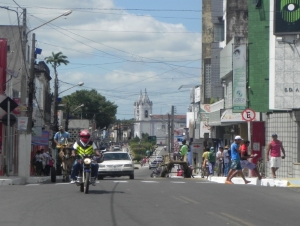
(56, 60)
(95, 107)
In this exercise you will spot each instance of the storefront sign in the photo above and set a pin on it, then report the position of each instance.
(239, 94)
(41, 140)
(286, 17)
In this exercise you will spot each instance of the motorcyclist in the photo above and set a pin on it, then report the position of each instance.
(84, 146)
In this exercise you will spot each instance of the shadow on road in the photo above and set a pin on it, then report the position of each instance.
(101, 192)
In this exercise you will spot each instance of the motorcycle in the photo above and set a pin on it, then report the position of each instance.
(84, 177)
(156, 172)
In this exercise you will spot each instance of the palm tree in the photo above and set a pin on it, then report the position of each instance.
(56, 60)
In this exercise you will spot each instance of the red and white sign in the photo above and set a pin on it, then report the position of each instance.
(248, 115)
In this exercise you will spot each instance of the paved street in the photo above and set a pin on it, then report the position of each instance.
(146, 201)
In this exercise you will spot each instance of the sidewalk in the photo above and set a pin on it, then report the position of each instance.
(13, 180)
(278, 182)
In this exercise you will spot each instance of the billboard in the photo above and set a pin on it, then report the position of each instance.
(239, 71)
(286, 17)
(197, 94)
(284, 72)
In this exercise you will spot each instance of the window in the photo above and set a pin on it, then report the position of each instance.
(146, 113)
(219, 32)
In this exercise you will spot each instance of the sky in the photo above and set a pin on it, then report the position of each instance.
(120, 47)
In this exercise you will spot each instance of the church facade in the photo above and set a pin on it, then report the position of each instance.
(153, 124)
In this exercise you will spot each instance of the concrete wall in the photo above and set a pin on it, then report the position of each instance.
(258, 26)
(237, 19)
(286, 126)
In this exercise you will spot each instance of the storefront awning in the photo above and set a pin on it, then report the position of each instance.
(229, 117)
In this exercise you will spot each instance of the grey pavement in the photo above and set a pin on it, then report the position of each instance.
(147, 202)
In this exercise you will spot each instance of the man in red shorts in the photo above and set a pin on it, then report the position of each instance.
(273, 150)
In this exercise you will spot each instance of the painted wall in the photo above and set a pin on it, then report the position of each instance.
(258, 63)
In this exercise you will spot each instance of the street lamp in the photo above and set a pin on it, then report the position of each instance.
(79, 84)
(68, 115)
(31, 78)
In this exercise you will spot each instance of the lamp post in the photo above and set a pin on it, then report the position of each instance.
(79, 84)
(55, 103)
(25, 137)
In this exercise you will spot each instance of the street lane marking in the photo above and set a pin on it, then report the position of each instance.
(203, 182)
(190, 200)
(120, 181)
(62, 183)
(184, 201)
(150, 181)
(224, 219)
(177, 182)
(237, 219)
(31, 184)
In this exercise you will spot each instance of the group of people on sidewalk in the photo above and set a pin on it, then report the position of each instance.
(230, 162)
(42, 163)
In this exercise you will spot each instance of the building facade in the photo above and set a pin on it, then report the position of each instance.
(154, 125)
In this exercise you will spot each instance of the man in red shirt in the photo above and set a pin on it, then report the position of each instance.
(244, 159)
(273, 150)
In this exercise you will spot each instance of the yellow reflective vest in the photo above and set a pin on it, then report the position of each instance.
(85, 150)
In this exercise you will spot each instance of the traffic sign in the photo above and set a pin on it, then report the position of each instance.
(12, 120)
(4, 104)
(248, 115)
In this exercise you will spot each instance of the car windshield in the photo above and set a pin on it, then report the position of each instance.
(116, 156)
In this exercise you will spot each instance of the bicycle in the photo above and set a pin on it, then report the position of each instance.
(261, 167)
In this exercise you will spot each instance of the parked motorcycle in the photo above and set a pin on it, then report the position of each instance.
(84, 177)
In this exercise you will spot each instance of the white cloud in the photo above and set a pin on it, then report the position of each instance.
(105, 36)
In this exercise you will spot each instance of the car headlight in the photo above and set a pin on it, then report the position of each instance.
(101, 166)
(87, 161)
(128, 165)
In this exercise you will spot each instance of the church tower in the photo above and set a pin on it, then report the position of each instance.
(143, 107)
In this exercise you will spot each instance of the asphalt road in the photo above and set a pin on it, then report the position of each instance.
(146, 201)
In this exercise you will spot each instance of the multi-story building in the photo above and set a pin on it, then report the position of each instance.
(42, 99)
(212, 36)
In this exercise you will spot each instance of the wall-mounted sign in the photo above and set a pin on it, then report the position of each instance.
(286, 17)
(197, 94)
(239, 66)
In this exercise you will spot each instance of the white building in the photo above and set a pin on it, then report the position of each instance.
(153, 125)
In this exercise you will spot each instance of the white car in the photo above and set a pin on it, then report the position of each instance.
(159, 159)
(116, 164)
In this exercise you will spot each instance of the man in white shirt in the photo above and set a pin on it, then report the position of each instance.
(220, 161)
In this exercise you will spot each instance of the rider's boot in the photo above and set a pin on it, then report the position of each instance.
(93, 180)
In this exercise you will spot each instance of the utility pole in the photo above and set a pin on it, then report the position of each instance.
(67, 117)
(24, 142)
(31, 86)
(24, 68)
(169, 133)
(172, 129)
(55, 118)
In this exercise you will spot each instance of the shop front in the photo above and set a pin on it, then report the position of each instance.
(38, 143)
